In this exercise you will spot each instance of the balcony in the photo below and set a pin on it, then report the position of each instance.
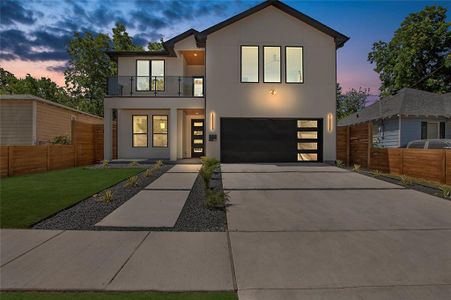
(155, 86)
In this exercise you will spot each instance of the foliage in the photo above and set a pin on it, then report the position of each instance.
(356, 168)
(159, 163)
(209, 166)
(339, 163)
(107, 196)
(122, 41)
(216, 198)
(446, 191)
(155, 46)
(105, 163)
(376, 173)
(134, 164)
(405, 180)
(350, 102)
(132, 182)
(418, 55)
(149, 172)
(61, 139)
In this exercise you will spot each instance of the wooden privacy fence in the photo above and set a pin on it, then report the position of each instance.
(86, 149)
(354, 146)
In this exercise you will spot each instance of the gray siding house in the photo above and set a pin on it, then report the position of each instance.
(409, 115)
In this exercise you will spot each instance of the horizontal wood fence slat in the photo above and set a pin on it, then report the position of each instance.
(354, 146)
(86, 149)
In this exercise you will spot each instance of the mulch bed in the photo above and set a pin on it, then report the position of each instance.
(194, 217)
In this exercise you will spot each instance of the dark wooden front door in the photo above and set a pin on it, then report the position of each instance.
(197, 137)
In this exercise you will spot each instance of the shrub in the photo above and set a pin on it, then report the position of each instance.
(209, 166)
(376, 173)
(61, 139)
(210, 162)
(132, 182)
(339, 163)
(134, 164)
(149, 172)
(105, 163)
(446, 191)
(356, 168)
(159, 163)
(107, 196)
(215, 198)
(405, 180)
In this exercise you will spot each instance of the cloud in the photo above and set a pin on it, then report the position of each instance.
(57, 69)
(12, 12)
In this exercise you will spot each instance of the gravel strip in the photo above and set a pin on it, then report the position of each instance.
(86, 213)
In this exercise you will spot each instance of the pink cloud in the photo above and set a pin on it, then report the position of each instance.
(20, 68)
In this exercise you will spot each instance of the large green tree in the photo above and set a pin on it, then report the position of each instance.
(155, 46)
(350, 102)
(418, 55)
(122, 41)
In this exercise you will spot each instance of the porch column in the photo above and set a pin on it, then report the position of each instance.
(107, 133)
(173, 134)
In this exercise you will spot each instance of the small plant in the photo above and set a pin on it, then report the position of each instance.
(149, 172)
(376, 173)
(405, 180)
(61, 140)
(356, 168)
(445, 192)
(132, 182)
(134, 164)
(107, 196)
(215, 198)
(209, 166)
(105, 163)
(159, 163)
(339, 163)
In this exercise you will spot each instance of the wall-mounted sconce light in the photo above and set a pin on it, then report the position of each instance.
(212, 121)
(330, 122)
(195, 54)
(272, 92)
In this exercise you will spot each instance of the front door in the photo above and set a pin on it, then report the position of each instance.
(197, 137)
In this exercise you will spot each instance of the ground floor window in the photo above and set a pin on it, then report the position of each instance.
(140, 131)
(160, 131)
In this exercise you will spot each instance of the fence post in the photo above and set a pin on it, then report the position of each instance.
(10, 160)
(401, 159)
(348, 145)
(48, 157)
(444, 166)
(370, 142)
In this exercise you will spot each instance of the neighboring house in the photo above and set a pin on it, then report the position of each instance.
(258, 87)
(30, 120)
(409, 115)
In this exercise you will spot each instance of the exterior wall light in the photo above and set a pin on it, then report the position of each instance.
(272, 92)
(212, 121)
(330, 122)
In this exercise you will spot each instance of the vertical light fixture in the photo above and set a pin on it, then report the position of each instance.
(330, 124)
(212, 121)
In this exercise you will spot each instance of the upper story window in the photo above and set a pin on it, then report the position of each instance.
(150, 75)
(271, 64)
(294, 65)
(249, 64)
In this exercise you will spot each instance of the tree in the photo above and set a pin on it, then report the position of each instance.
(156, 46)
(88, 69)
(418, 55)
(350, 102)
(122, 41)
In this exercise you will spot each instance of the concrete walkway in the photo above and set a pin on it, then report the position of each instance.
(326, 233)
(159, 204)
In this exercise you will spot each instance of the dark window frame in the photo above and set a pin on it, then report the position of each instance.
(241, 64)
(167, 131)
(263, 63)
(150, 75)
(146, 133)
(302, 67)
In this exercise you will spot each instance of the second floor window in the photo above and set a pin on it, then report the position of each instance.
(150, 75)
(294, 70)
(271, 64)
(249, 63)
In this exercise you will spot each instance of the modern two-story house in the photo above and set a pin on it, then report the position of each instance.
(258, 87)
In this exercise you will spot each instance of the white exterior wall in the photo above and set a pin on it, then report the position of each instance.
(227, 97)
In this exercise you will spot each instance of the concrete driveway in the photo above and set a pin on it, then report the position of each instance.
(319, 232)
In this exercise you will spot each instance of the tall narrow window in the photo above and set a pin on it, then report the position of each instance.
(140, 131)
(198, 86)
(157, 68)
(271, 64)
(294, 72)
(249, 63)
(142, 75)
(160, 131)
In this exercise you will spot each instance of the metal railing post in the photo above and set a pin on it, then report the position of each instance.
(180, 80)
(155, 85)
(131, 85)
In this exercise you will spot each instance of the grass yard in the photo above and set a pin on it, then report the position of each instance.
(27, 199)
(116, 296)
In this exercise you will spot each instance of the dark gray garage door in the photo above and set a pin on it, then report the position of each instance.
(270, 140)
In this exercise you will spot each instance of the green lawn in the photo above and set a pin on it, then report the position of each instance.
(116, 296)
(27, 199)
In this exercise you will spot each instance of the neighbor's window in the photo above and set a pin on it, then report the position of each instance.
(249, 63)
(294, 65)
(160, 131)
(271, 64)
(157, 69)
(142, 75)
(139, 131)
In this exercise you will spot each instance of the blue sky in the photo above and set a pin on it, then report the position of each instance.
(33, 34)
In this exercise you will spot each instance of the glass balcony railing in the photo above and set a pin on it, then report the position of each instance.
(155, 86)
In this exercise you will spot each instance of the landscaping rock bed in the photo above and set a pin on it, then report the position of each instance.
(86, 213)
